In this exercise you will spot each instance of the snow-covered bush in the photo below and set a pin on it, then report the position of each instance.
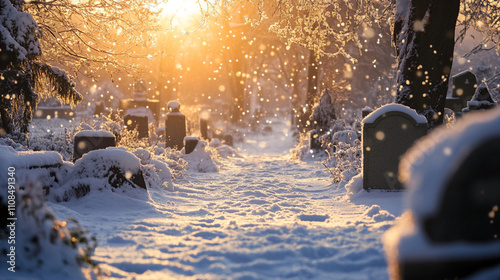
(344, 160)
(46, 245)
(53, 141)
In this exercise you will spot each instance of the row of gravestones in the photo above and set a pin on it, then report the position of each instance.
(175, 133)
(467, 95)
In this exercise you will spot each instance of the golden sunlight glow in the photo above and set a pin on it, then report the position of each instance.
(180, 12)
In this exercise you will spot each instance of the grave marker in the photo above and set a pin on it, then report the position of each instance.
(190, 143)
(137, 122)
(481, 100)
(387, 133)
(89, 140)
(464, 87)
(175, 126)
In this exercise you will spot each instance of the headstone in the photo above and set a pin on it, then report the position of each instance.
(190, 144)
(314, 140)
(175, 126)
(140, 100)
(137, 122)
(464, 87)
(228, 139)
(481, 100)
(64, 112)
(89, 140)
(366, 111)
(387, 133)
(469, 209)
(204, 128)
(454, 202)
(100, 109)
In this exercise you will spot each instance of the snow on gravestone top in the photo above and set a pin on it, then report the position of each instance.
(95, 133)
(393, 107)
(29, 159)
(98, 162)
(427, 167)
(141, 112)
(174, 106)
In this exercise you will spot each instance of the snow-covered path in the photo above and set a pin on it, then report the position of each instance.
(260, 217)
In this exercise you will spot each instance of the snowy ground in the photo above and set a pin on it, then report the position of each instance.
(261, 217)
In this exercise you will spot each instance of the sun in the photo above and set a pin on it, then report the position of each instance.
(181, 13)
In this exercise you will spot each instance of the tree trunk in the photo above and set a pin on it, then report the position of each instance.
(312, 87)
(424, 35)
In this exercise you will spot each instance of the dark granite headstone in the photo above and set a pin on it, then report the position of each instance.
(204, 128)
(175, 127)
(86, 141)
(469, 214)
(314, 140)
(137, 122)
(64, 112)
(470, 207)
(464, 87)
(190, 144)
(387, 133)
(481, 100)
(366, 111)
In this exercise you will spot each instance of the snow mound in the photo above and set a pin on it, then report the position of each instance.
(378, 214)
(355, 185)
(111, 169)
(201, 160)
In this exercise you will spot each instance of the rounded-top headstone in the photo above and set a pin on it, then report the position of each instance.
(174, 106)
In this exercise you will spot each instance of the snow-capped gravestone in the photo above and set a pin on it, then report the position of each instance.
(366, 111)
(322, 117)
(452, 230)
(53, 109)
(387, 133)
(44, 168)
(204, 128)
(481, 100)
(89, 140)
(140, 123)
(464, 87)
(175, 126)
(140, 101)
(190, 143)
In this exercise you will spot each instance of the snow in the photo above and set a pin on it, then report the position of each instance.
(243, 222)
(260, 216)
(174, 106)
(355, 184)
(141, 112)
(95, 133)
(393, 107)
(18, 31)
